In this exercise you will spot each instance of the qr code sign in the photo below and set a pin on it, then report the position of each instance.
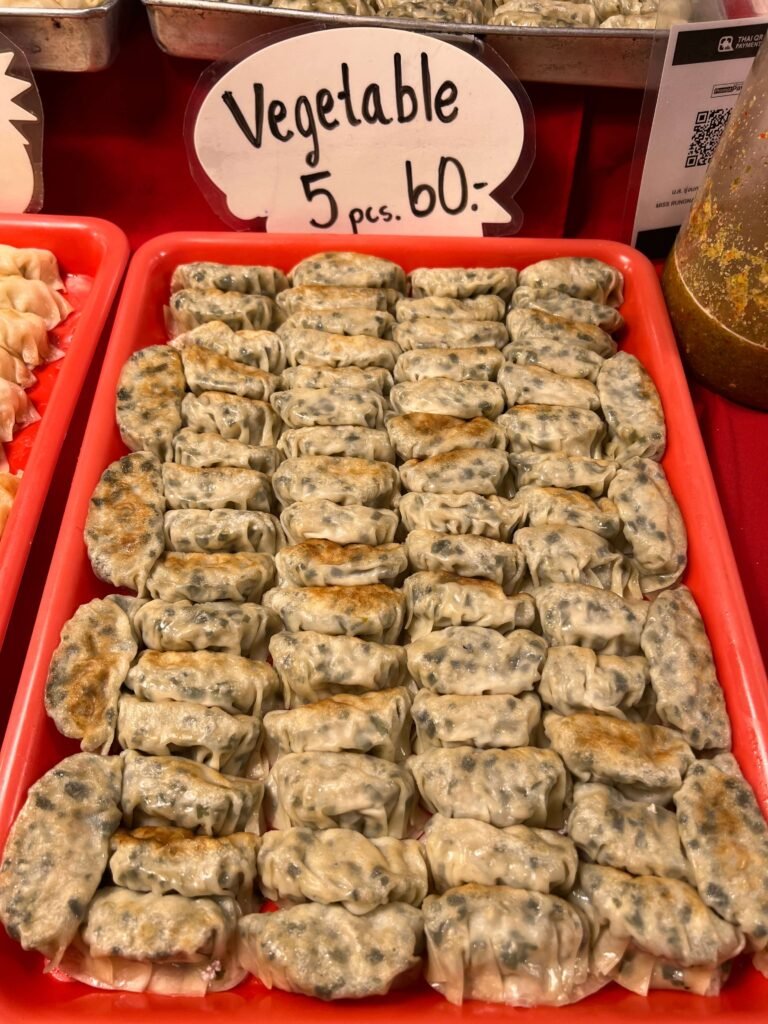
(708, 126)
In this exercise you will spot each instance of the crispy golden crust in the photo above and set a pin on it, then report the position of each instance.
(326, 552)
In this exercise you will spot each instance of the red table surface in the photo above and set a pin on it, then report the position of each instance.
(114, 149)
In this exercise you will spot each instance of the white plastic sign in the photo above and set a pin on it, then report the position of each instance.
(20, 150)
(363, 130)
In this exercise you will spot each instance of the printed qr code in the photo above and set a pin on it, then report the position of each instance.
(708, 126)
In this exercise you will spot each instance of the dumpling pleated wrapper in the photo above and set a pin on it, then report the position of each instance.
(558, 506)
(32, 264)
(341, 790)
(373, 323)
(649, 932)
(248, 420)
(176, 791)
(518, 786)
(227, 487)
(57, 850)
(533, 385)
(553, 428)
(466, 514)
(374, 723)
(329, 407)
(461, 851)
(26, 337)
(497, 720)
(449, 363)
(320, 519)
(303, 297)
(348, 270)
(211, 451)
(189, 308)
(329, 953)
(149, 393)
(464, 399)
(370, 378)
(226, 277)
(9, 486)
(569, 554)
(556, 356)
(227, 681)
(632, 409)
(579, 276)
(419, 435)
(124, 526)
(261, 349)
(307, 347)
(15, 370)
(435, 600)
(87, 669)
(504, 945)
(580, 311)
(345, 481)
(223, 529)
(206, 370)
(179, 576)
(555, 469)
(576, 679)
(644, 762)
(338, 865)
(226, 626)
(479, 470)
(642, 839)
(370, 612)
(24, 296)
(313, 666)
(16, 410)
(441, 334)
(467, 555)
(474, 660)
(463, 283)
(481, 307)
(533, 325)
(652, 525)
(321, 563)
(682, 670)
(725, 837)
(573, 613)
(347, 441)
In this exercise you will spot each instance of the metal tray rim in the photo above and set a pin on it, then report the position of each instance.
(80, 13)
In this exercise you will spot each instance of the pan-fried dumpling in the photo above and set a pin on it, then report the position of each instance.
(572, 613)
(554, 469)
(210, 451)
(427, 334)
(225, 626)
(632, 409)
(644, 762)
(556, 356)
(16, 410)
(569, 554)
(87, 669)
(192, 576)
(496, 720)
(338, 865)
(235, 684)
(481, 307)
(322, 563)
(15, 370)
(467, 555)
(149, 394)
(504, 945)
(521, 786)
(461, 851)
(582, 277)
(652, 526)
(370, 612)
(227, 487)
(464, 399)
(438, 599)
(371, 378)
(533, 385)
(249, 280)
(449, 363)
(577, 679)
(329, 953)
(206, 370)
(479, 470)
(345, 481)
(222, 529)
(320, 519)
(331, 790)
(307, 347)
(557, 506)
(640, 838)
(353, 442)
(374, 723)
(24, 296)
(190, 307)
(474, 660)
(243, 419)
(32, 264)
(465, 513)
(262, 349)
(329, 407)
(534, 325)
(580, 311)
(313, 666)
(420, 435)
(374, 323)
(175, 790)
(57, 850)
(348, 270)
(553, 428)
(303, 297)
(682, 671)
(462, 283)
(124, 526)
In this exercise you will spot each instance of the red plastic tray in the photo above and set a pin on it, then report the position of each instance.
(92, 255)
(32, 744)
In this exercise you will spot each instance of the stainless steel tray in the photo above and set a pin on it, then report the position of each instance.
(582, 56)
(54, 39)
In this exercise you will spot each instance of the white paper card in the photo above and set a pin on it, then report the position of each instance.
(21, 186)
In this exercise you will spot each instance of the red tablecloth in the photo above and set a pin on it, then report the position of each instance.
(114, 149)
